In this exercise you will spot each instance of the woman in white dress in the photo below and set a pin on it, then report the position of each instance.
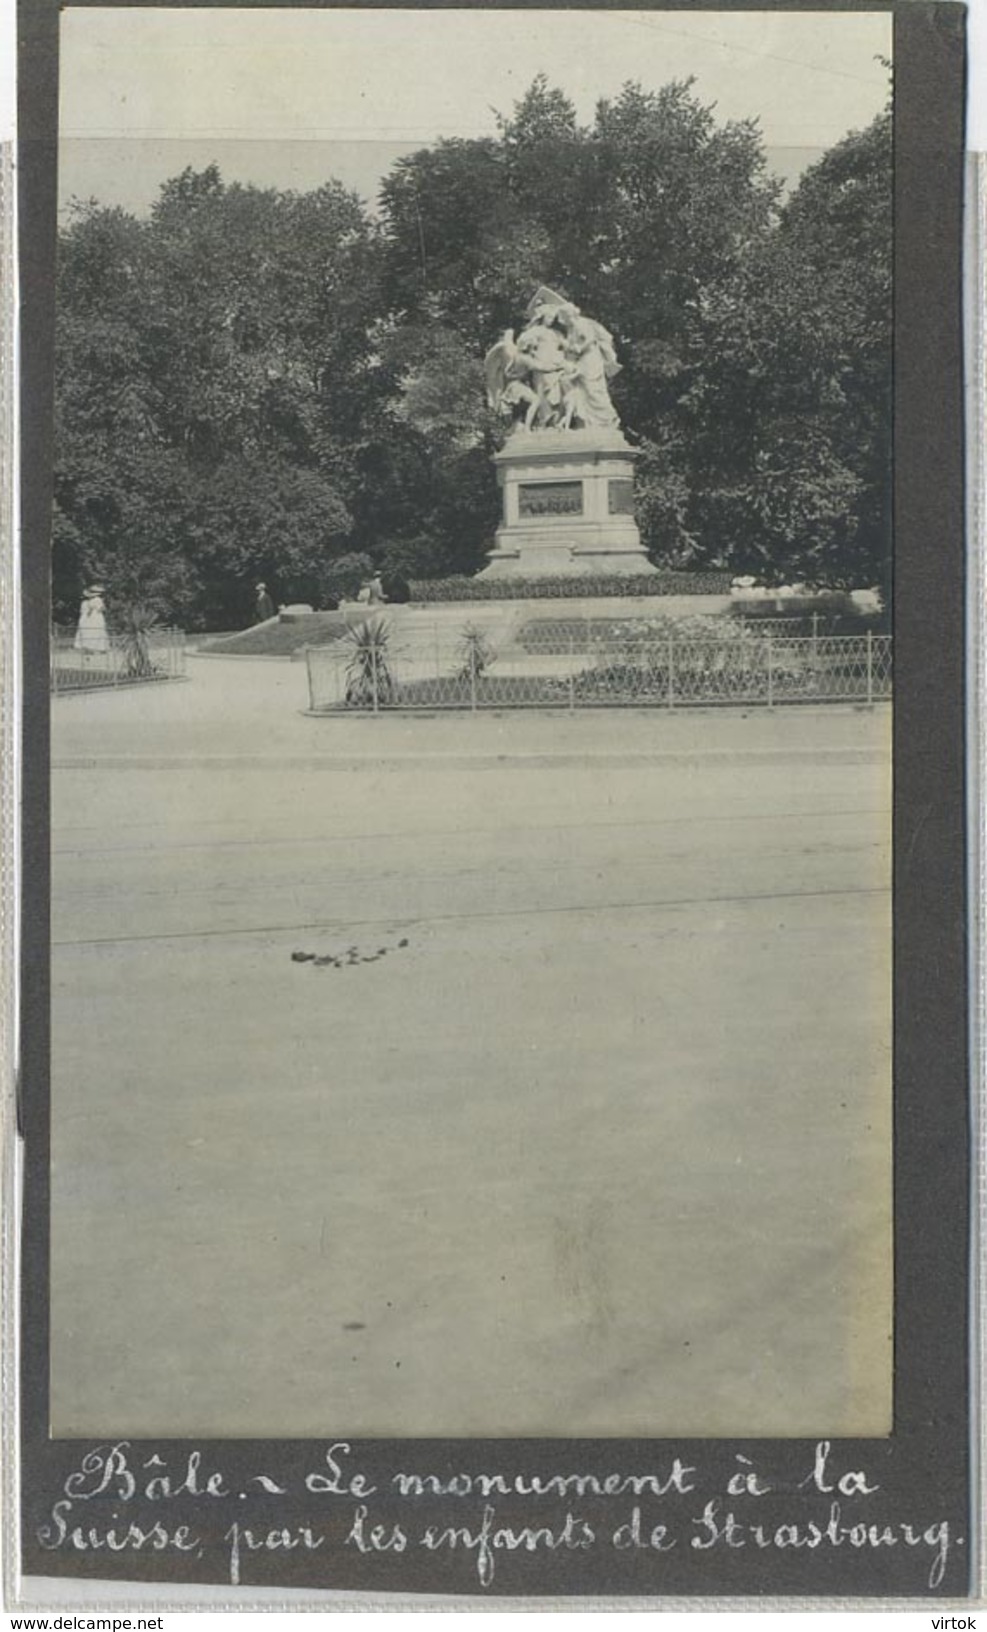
(91, 635)
(589, 348)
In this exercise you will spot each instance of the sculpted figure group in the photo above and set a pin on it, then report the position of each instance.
(554, 375)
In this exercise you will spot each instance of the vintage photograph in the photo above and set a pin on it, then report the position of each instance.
(471, 775)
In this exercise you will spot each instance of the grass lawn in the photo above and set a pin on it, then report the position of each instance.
(277, 639)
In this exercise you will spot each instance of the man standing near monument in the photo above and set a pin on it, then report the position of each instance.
(263, 606)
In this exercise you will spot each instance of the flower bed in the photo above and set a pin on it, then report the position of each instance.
(624, 665)
(583, 634)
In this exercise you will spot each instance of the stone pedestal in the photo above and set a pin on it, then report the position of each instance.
(568, 500)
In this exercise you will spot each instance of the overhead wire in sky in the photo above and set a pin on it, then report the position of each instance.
(750, 50)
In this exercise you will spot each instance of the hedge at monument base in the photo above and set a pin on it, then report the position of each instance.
(523, 589)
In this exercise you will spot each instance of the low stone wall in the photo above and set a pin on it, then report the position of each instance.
(503, 617)
(421, 622)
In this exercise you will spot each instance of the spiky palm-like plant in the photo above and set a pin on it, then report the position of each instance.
(369, 682)
(476, 653)
(137, 619)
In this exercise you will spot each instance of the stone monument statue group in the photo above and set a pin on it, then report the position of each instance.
(555, 374)
(565, 472)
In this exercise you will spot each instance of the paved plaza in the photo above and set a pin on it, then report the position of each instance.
(581, 1125)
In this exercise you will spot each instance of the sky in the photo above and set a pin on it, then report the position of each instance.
(287, 97)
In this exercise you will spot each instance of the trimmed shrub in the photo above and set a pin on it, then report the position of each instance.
(343, 578)
(396, 587)
(830, 601)
(830, 612)
(565, 588)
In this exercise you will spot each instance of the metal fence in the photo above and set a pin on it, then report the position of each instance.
(583, 667)
(125, 660)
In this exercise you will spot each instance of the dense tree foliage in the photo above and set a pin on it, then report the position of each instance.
(254, 384)
(788, 431)
(217, 392)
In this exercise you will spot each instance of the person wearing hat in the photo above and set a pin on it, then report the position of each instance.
(263, 606)
(91, 635)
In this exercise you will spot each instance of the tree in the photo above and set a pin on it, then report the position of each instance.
(253, 383)
(840, 229)
(216, 383)
(636, 218)
(788, 436)
(119, 486)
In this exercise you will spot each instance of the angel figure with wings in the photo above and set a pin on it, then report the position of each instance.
(531, 373)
